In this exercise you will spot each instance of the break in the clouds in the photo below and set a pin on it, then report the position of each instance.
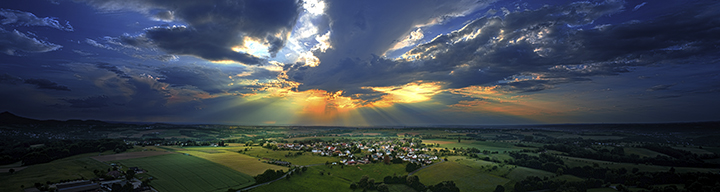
(362, 62)
(211, 30)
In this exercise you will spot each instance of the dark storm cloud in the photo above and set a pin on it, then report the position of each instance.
(211, 80)
(90, 102)
(22, 18)
(558, 44)
(361, 30)
(39, 83)
(212, 27)
(112, 68)
(16, 41)
(46, 84)
(9, 79)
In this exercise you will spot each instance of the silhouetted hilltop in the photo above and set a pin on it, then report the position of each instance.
(7, 118)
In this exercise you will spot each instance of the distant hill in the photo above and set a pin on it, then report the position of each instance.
(7, 118)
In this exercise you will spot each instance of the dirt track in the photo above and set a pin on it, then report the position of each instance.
(131, 155)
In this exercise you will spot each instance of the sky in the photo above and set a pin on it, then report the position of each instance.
(361, 63)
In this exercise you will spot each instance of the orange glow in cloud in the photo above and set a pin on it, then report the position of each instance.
(484, 92)
(492, 99)
(313, 105)
(323, 105)
(414, 92)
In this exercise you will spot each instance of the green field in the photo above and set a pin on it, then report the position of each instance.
(465, 177)
(336, 178)
(400, 188)
(376, 171)
(74, 167)
(695, 150)
(642, 152)
(177, 172)
(258, 152)
(482, 145)
(234, 160)
(307, 158)
(511, 172)
(311, 180)
(579, 162)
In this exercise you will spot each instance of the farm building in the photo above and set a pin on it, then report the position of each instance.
(78, 186)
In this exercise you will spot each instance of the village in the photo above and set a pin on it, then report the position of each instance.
(364, 152)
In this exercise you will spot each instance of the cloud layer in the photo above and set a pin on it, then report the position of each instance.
(210, 29)
(13, 42)
(21, 18)
(544, 47)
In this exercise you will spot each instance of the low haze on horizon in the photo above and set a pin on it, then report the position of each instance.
(361, 63)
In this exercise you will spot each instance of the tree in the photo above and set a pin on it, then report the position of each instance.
(145, 183)
(129, 174)
(499, 188)
(414, 182)
(410, 167)
(528, 138)
(445, 186)
(396, 161)
(363, 182)
(11, 171)
(383, 188)
(353, 186)
(371, 184)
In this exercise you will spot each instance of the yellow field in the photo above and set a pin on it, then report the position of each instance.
(236, 161)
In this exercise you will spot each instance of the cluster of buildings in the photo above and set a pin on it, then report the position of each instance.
(358, 152)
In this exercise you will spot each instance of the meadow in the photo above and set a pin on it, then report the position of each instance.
(642, 152)
(465, 177)
(254, 152)
(311, 180)
(336, 178)
(576, 161)
(498, 146)
(236, 161)
(70, 168)
(178, 172)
